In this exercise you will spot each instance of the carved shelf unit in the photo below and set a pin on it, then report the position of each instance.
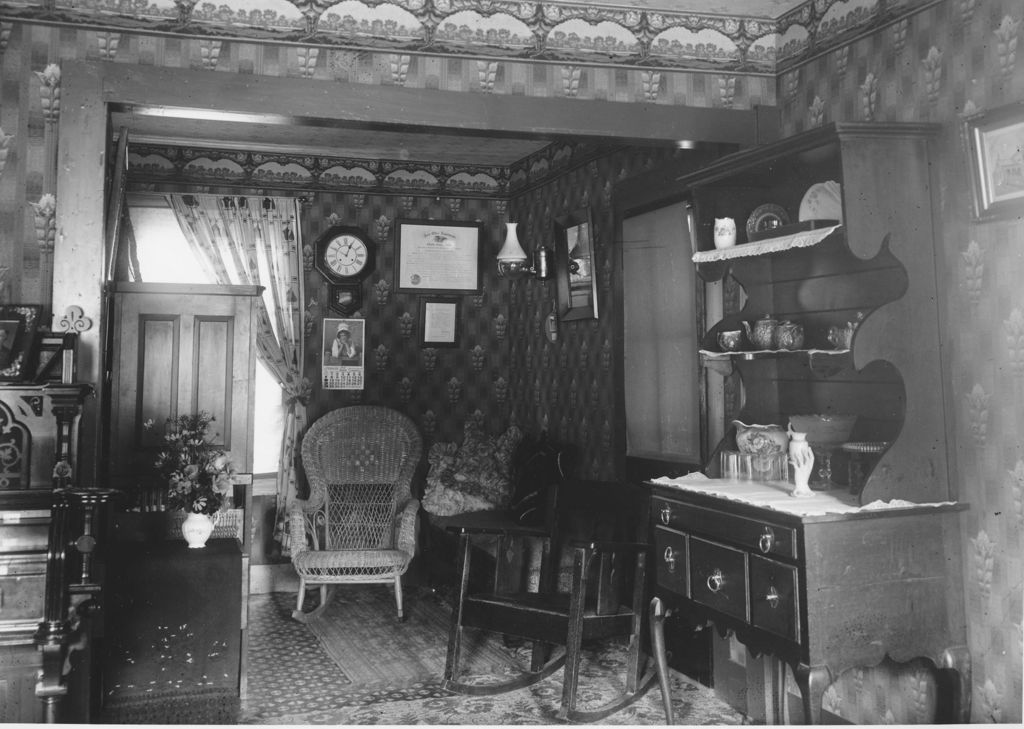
(827, 591)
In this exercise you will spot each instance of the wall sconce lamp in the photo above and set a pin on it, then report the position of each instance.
(513, 262)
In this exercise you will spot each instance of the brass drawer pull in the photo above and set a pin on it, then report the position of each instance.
(715, 581)
(767, 540)
(772, 597)
(666, 514)
(670, 559)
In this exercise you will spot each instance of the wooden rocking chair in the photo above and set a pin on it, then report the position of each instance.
(603, 570)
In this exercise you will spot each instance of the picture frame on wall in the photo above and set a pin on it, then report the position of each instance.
(438, 257)
(995, 144)
(440, 321)
(18, 325)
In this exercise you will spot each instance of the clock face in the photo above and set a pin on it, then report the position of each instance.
(344, 254)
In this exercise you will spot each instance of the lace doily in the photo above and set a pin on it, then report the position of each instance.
(803, 239)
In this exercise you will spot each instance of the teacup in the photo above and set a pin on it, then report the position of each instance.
(730, 341)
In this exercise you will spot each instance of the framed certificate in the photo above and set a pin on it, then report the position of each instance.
(439, 321)
(438, 257)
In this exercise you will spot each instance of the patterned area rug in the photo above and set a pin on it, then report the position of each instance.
(292, 680)
(360, 631)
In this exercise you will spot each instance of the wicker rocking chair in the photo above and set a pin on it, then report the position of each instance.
(359, 523)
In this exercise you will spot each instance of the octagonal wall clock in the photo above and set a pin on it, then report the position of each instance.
(343, 254)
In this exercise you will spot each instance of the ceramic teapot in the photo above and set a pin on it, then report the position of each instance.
(730, 341)
(762, 334)
(841, 337)
(789, 335)
(761, 440)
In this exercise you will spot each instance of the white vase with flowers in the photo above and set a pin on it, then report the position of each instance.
(198, 473)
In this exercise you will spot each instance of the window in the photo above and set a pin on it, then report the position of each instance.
(662, 383)
(165, 257)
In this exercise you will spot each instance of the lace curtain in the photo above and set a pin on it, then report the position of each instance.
(254, 240)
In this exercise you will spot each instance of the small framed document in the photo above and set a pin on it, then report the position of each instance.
(438, 257)
(439, 321)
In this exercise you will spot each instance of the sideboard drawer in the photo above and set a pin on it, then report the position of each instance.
(22, 582)
(774, 602)
(671, 556)
(719, 577)
(24, 537)
(763, 537)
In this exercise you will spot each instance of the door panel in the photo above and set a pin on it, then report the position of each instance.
(180, 349)
(214, 358)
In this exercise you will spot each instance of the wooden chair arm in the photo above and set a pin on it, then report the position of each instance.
(610, 545)
(493, 522)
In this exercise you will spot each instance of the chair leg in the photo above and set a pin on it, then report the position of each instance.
(398, 598)
(660, 660)
(574, 640)
(636, 685)
(326, 595)
(451, 663)
(297, 613)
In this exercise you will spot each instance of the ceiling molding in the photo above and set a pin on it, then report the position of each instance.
(626, 35)
(163, 167)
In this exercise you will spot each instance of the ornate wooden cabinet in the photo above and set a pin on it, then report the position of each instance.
(825, 584)
(38, 429)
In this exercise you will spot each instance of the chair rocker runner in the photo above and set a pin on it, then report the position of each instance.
(359, 523)
(592, 610)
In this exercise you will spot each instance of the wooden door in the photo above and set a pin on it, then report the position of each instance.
(179, 349)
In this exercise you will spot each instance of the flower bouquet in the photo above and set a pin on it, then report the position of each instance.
(198, 474)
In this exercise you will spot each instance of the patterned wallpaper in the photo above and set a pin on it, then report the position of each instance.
(439, 388)
(30, 79)
(952, 59)
(567, 387)
(654, 38)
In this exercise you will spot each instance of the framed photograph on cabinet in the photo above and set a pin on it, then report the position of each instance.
(995, 142)
(18, 324)
(439, 321)
(438, 257)
(56, 358)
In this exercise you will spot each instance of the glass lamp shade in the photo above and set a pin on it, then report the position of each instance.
(512, 259)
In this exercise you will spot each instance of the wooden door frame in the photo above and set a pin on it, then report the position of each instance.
(90, 90)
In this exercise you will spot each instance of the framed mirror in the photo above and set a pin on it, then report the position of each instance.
(575, 276)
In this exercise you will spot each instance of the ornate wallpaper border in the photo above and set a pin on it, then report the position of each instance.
(156, 165)
(549, 31)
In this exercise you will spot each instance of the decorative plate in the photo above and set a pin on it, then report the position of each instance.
(822, 201)
(765, 218)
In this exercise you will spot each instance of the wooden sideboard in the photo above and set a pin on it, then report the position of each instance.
(835, 587)
(851, 249)
(38, 429)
